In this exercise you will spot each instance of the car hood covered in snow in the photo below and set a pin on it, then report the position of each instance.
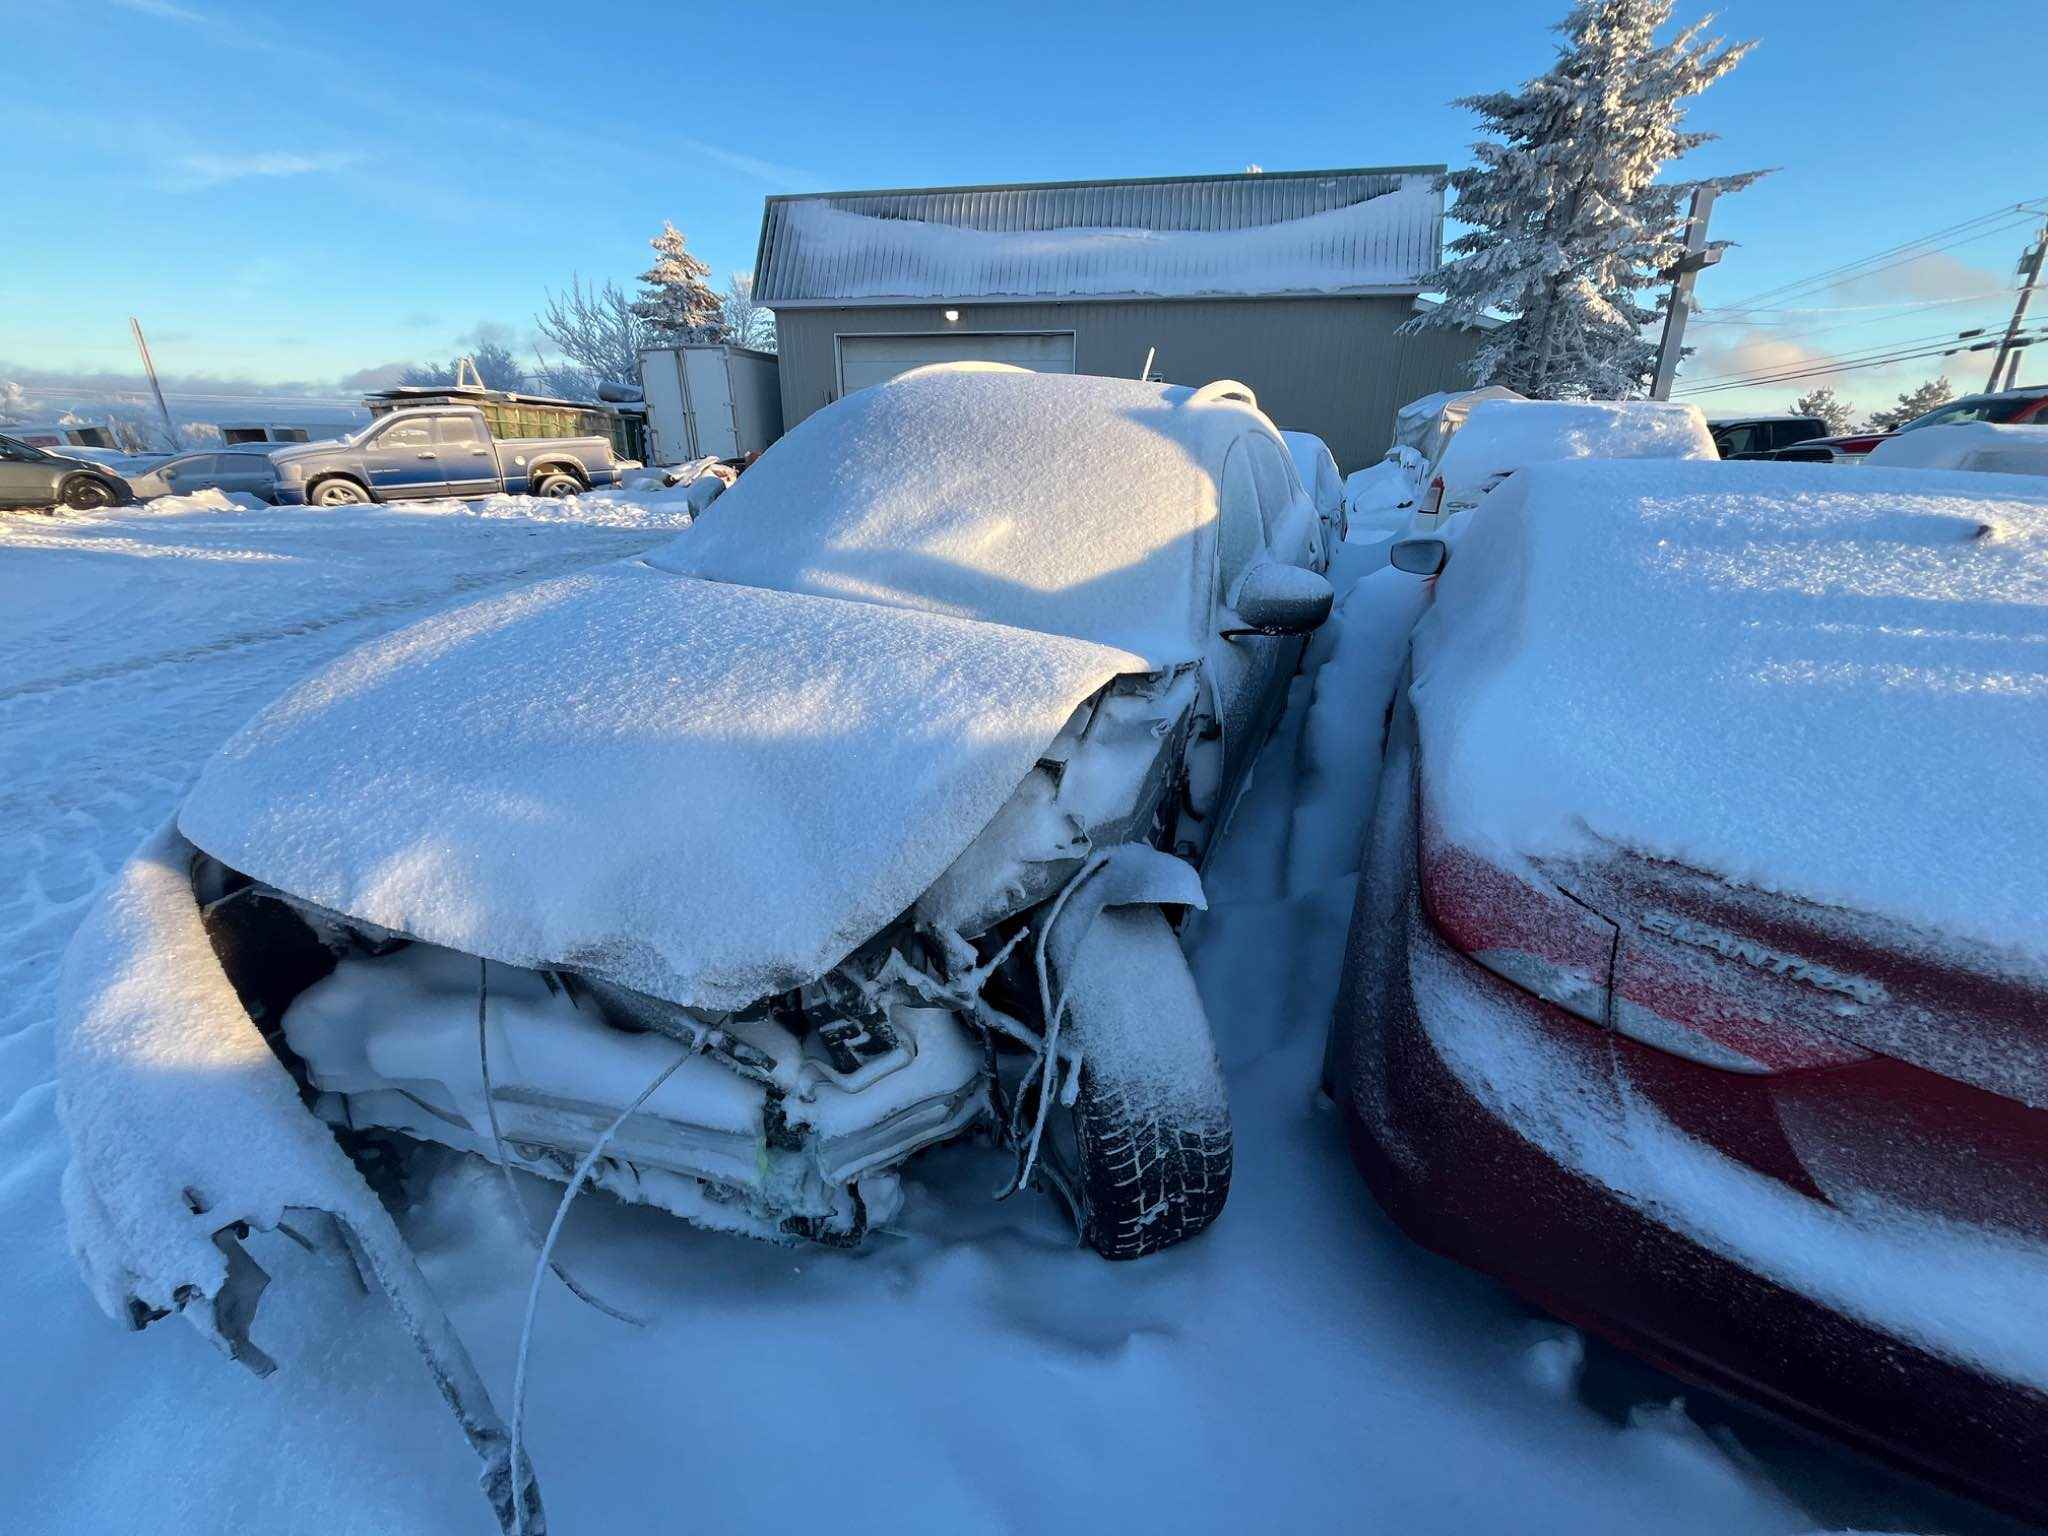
(1829, 685)
(703, 791)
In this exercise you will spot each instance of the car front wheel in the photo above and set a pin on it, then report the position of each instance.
(83, 493)
(1145, 1151)
(339, 493)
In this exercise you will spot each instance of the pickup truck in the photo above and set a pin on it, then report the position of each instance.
(438, 450)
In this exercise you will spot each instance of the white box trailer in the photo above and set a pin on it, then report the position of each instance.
(708, 398)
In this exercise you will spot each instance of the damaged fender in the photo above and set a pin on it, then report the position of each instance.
(187, 1134)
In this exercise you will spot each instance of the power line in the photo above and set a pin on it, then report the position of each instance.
(1854, 354)
(1968, 230)
(1812, 372)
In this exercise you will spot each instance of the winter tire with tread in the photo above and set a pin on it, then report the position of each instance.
(1147, 1147)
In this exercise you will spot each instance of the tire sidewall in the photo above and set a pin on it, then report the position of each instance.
(356, 496)
(85, 493)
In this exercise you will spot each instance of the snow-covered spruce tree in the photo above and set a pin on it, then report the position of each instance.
(1829, 407)
(675, 301)
(1914, 402)
(1569, 224)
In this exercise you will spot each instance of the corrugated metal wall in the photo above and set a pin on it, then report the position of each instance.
(1339, 232)
(1331, 366)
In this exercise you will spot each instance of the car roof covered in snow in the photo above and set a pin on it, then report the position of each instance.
(1815, 682)
(1061, 503)
(1500, 436)
(1978, 445)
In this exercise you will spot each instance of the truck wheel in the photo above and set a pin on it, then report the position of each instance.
(338, 493)
(83, 493)
(558, 483)
(1146, 1148)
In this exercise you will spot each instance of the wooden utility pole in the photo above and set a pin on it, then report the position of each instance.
(1682, 273)
(149, 368)
(2030, 270)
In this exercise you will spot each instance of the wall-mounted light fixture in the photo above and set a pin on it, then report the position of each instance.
(952, 317)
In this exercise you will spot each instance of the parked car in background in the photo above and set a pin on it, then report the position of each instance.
(1978, 446)
(1697, 986)
(1317, 468)
(36, 477)
(2007, 407)
(1747, 437)
(1501, 436)
(438, 450)
(247, 472)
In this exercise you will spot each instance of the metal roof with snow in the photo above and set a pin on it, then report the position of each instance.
(1257, 235)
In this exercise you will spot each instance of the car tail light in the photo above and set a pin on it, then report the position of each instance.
(1432, 499)
(1718, 997)
(1859, 445)
(1519, 926)
(1684, 987)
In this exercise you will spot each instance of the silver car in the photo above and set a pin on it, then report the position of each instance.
(244, 471)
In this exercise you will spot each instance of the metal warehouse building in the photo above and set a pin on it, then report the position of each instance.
(1293, 283)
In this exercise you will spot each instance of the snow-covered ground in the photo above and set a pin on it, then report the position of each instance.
(1301, 1366)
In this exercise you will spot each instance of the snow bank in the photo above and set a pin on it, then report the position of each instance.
(1500, 436)
(705, 792)
(1827, 685)
(1070, 505)
(208, 500)
(1341, 250)
(1978, 445)
(1380, 499)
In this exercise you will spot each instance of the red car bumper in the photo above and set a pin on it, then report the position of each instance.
(1448, 1151)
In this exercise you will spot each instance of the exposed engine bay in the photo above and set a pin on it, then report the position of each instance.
(789, 1118)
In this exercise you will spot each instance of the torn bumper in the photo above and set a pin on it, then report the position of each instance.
(187, 1133)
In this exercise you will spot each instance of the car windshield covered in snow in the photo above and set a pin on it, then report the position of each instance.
(1075, 507)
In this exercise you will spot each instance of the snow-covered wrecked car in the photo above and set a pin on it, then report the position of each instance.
(1698, 983)
(730, 877)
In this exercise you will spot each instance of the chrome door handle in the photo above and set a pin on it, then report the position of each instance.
(429, 455)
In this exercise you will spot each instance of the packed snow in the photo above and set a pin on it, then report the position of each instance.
(1500, 436)
(1299, 1366)
(1364, 246)
(1976, 445)
(707, 792)
(1823, 684)
(1107, 538)
(1380, 500)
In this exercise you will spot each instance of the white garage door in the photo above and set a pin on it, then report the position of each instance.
(865, 360)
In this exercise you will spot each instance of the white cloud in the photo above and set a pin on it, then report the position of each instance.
(190, 173)
(163, 9)
(749, 165)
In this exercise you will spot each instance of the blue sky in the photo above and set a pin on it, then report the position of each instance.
(295, 192)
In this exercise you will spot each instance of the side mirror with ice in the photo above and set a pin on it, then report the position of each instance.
(1278, 599)
(1419, 557)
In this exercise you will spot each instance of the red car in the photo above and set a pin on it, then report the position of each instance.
(1697, 985)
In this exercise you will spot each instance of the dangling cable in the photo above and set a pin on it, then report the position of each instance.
(547, 1249)
(483, 1057)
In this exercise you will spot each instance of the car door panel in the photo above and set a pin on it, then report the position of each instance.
(468, 465)
(403, 461)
